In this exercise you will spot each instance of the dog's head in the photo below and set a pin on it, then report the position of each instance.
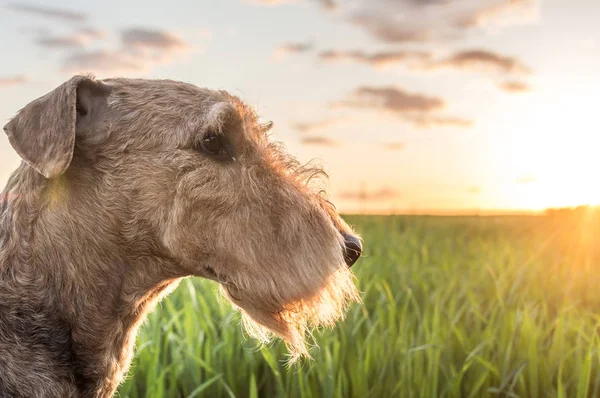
(191, 176)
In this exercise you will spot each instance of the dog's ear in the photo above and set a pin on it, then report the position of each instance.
(43, 132)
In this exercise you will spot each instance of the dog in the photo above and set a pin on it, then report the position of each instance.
(126, 187)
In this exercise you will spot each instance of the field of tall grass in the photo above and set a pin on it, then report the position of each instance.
(452, 307)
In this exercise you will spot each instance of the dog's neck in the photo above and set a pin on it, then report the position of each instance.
(102, 288)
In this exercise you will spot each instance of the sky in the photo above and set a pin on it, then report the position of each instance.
(424, 106)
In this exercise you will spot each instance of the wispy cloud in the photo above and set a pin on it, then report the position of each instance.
(420, 22)
(430, 121)
(400, 21)
(104, 61)
(503, 12)
(12, 80)
(142, 38)
(475, 190)
(514, 86)
(319, 140)
(418, 109)
(310, 127)
(382, 194)
(141, 49)
(383, 29)
(481, 60)
(76, 39)
(287, 49)
(270, 2)
(327, 4)
(48, 12)
(394, 146)
(378, 59)
(395, 100)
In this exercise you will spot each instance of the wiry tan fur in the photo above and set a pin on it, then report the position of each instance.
(86, 253)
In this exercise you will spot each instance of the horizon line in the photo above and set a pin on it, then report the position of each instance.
(463, 212)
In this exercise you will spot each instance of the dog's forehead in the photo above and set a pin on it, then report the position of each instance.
(170, 94)
(196, 107)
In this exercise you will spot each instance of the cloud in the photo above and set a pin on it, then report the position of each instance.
(381, 194)
(378, 59)
(403, 21)
(505, 12)
(142, 39)
(48, 12)
(13, 80)
(61, 41)
(514, 86)
(327, 4)
(92, 33)
(104, 61)
(288, 49)
(395, 100)
(398, 21)
(430, 121)
(393, 146)
(526, 180)
(475, 190)
(270, 2)
(319, 141)
(309, 127)
(414, 21)
(77, 39)
(141, 49)
(481, 60)
(389, 31)
(418, 109)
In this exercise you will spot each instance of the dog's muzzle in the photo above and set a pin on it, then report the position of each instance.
(353, 248)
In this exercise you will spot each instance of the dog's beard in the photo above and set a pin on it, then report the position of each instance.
(293, 316)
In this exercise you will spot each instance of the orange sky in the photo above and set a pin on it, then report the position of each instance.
(420, 106)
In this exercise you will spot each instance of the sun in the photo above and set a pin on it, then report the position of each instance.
(554, 152)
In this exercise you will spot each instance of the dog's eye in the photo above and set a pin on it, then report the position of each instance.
(213, 145)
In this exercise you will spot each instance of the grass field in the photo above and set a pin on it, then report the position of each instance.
(452, 307)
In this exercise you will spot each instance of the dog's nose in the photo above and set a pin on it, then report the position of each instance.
(353, 248)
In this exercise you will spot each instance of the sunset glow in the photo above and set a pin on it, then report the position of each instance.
(436, 107)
